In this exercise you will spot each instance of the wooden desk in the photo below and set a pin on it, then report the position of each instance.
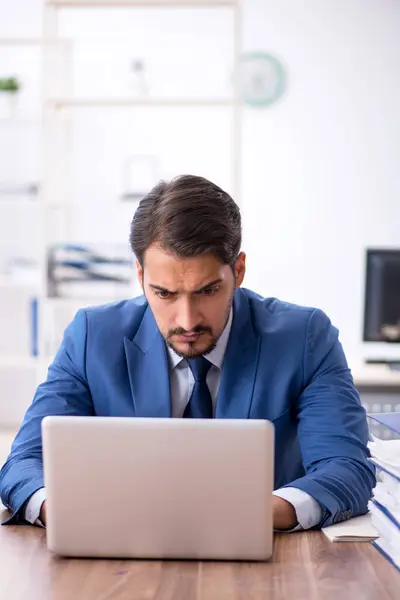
(379, 388)
(376, 378)
(305, 566)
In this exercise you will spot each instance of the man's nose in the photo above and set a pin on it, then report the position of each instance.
(188, 316)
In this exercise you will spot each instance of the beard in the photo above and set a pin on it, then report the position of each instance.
(192, 351)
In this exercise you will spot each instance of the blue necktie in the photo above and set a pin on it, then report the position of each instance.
(200, 404)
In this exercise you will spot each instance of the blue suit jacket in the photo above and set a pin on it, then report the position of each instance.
(283, 363)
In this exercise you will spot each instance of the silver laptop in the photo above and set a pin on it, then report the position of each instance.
(159, 488)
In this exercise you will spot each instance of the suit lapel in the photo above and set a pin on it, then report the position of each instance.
(148, 369)
(240, 364)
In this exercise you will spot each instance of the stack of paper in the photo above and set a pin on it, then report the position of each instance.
(385, 504)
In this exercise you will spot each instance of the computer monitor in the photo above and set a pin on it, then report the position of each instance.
(382, 296)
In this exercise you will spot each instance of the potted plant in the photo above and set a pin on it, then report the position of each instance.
(9, 87)
(9, 84)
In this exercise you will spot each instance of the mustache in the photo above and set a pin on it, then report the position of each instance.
(197, 329)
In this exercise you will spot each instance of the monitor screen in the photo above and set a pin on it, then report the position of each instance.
(382, 296)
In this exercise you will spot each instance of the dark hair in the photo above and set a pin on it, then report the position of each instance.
(187, 216)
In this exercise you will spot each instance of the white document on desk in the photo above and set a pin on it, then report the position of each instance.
(386, 453)
(358, 529)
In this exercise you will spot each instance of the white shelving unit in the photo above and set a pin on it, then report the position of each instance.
(58, 104)
(55, 105)
(18, 120)
(19, 367)
(50, 29)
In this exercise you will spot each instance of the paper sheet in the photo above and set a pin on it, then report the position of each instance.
(358, 529)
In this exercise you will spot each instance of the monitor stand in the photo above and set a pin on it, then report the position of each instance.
(394, 365)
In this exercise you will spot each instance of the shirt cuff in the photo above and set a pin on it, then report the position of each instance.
(308, 511)
(32, 510)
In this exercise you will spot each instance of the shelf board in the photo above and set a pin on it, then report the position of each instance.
(109, 102)
(81, 301)
(27, 362)
(20, 361)
(20, 41)
(9, 282)
(10, 41)
(142, 3)
(15, 121)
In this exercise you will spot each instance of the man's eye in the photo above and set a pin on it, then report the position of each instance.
(163, 294)
(210, 291)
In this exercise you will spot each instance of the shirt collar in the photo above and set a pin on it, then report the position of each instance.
(216, 356)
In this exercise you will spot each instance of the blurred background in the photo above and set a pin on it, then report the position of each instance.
(290, 105)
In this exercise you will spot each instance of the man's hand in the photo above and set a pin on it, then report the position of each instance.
(42, 515)
(283, 514)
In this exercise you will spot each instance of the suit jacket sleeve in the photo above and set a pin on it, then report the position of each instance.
(332, 428)
(65, 392)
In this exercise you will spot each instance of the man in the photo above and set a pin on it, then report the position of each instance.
(197, 345)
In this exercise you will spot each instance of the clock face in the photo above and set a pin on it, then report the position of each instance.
(262, 79)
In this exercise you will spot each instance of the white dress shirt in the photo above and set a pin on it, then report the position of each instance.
(308, 511)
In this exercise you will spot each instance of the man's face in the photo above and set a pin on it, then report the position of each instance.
(190, 297)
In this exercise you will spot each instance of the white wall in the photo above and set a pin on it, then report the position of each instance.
(322, 169)
(320, 174)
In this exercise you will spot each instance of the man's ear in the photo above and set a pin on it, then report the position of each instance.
(240, 269)
(140, 274)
